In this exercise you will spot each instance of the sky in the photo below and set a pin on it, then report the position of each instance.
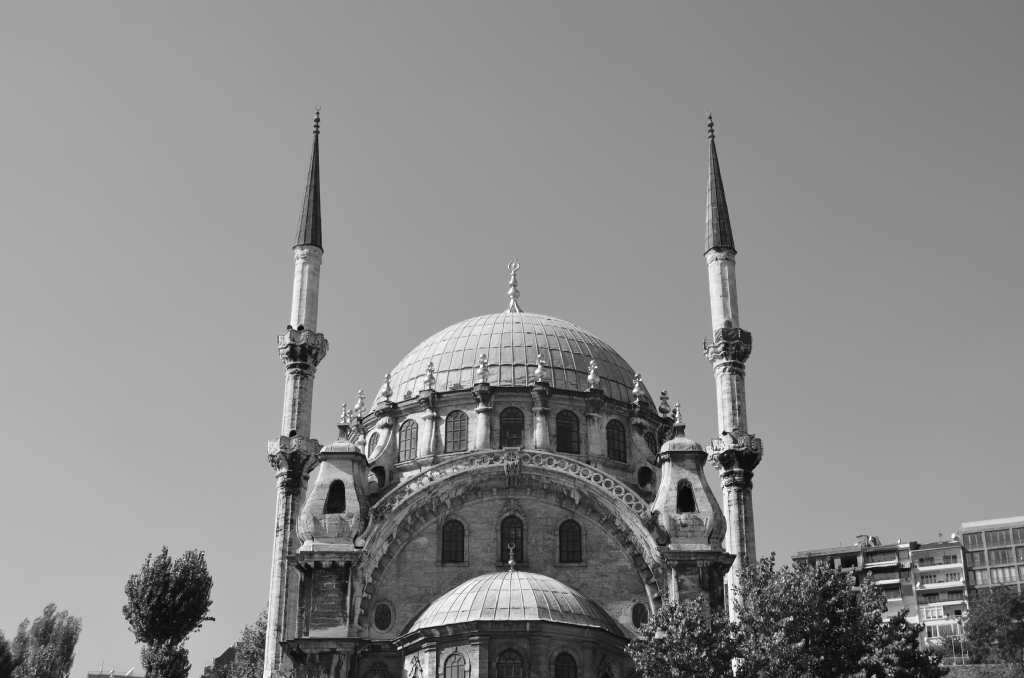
(152, 163)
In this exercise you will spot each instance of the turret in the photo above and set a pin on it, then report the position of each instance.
(735, 453)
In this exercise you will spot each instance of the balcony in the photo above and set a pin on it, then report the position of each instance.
(940, 585)
(883, 563)
(895, 581)
(939, 566)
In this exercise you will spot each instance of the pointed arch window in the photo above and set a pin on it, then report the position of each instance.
(511, 427)
(570, 542)
(512, 533)
(510, 665)
(407, 434)
(456, 432)
(335, 498)
(453, 542)
(455, 666)
(615, 435)
(565, 666)
(567, 433)
(685, 501)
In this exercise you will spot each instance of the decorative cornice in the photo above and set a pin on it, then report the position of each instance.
(731, 345)
(311, 252)
(736, 455)
(301, 348)
(294, 459)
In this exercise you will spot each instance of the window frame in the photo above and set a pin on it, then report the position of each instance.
(391, 611)
(441, 523)
(520, 552)
(567, 432)
(407, 442)
(503, 428)
(633, 613)
(452, 522)
(523, 667)
(331, 490)
(464, 667)
(614, 425)
(680, 486)
(575, 669)
(456, 431)
(652, 442)
(582, 545)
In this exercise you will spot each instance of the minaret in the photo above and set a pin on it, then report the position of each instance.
(292, 455)
(735, 453)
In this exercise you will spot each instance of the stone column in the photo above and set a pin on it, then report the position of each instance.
(483, 395)
(427, 443)
(596, 442)
(293, 458)
(541, 435)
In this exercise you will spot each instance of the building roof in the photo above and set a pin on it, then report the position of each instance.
(992, 523)
(310, 232)
(511, 342)
(718, 235)
(514, 596)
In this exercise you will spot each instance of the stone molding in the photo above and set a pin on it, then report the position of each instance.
(719, 255)
(313, 253)
(736, 455)
(294, 459)
(301, 349)
(730, 345)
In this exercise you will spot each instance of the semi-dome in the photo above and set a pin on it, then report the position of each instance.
(514, 596)
(512, 341)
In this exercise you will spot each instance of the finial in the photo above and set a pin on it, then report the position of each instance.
(387, 392)
(430, 379)
(346, 416)
(594, 379)
(637, 390)
(711, 127)
(482, 373)
(360, 407)
(678, 413)
(664, 408)
(540, 373)
(511, 556)
(316, 121)
(513, 291)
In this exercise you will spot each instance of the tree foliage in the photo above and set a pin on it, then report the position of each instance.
(895, 652)
(995, 625)
(43, 649)
(167, 601)
(684, 640)
(251, 649)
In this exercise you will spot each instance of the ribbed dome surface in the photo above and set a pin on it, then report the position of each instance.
(511, 342)
(514, 596)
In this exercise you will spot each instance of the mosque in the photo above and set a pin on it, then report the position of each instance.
(512, 503)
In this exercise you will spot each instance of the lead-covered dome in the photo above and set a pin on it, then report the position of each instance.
(514, 596)
(511, 341)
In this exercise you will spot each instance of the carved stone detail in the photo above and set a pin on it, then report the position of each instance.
(731, 345)
(736, 455)
(294, 459)
(300, 349)
(513, 463)
(310, 252)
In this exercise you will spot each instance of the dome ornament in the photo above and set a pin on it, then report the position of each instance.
(360, 407)
(511, 556)
(482, 373)
(665, 409)
(540, 373)
(594, 379)
(387, 392)
(513, 291)
(430, 379)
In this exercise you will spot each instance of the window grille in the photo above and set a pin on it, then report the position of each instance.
(565, 666)
(407, 435)
(453, 542)
(570, 542)
(511, 427)
(615, 435)
(512, 533)
(652, 442)
(510, 665)
(455, 667)
(567, 433)
(456, 432)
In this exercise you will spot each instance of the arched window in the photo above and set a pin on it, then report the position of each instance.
(570, 542)
(639, 615)
(652, 442)
(455, 666)
(335, 498)
(685, 502)
(511, 427)
(567, 430)
(456, 432)
(615, 434)
(453, 542)
(371, 445)
(382, 617)
(565, 666)
(407, 434)
(511, 533)
(510, 664)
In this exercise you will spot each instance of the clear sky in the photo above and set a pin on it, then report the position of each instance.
(152, 162)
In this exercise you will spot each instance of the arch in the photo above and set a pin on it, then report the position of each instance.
(685, 501)
(455, 666)
(512, 533)
(570, 542)
(456, 432)
(565, 666)
(567, 433)
(615, 436)
(644, 476)
(335, 502)
(453, 542)
(380, 475)
(407, 434)
(652, 442)
(510, 427)
(509, 664)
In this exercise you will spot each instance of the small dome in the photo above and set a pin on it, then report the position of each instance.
(511, 342)
(514, 596)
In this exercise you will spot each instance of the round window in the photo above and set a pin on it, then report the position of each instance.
(640, 615)
(382, 617)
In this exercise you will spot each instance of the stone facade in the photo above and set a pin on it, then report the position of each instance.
(506, 467)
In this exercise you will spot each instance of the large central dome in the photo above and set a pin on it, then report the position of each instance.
(512, 341)
(514, 596)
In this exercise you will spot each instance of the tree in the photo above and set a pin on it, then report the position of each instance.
(167, 601)
(995, 624)
(896, 653)
(684, 640)
(8, 662)
(45, 648)
(251, 648)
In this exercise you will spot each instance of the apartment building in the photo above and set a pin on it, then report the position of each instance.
(940, 587)
(994, 552)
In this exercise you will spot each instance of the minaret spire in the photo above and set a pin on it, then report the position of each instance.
(735, 453)
(309, 232)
